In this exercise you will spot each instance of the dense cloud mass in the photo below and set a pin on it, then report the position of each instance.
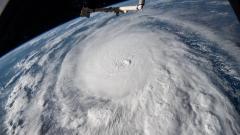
(141, 73)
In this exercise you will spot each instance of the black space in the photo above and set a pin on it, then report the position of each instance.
(22, 20)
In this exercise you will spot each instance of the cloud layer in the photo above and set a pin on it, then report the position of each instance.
(134, 74)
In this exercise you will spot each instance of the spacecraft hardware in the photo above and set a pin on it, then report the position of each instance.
(85, 12)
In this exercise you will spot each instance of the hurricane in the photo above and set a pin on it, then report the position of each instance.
(149, 73)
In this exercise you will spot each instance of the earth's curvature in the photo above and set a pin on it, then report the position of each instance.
(173, 69)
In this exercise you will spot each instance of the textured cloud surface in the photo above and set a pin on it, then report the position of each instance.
(145, 73)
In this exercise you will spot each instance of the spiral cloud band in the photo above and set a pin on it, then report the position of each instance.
(124, 75)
